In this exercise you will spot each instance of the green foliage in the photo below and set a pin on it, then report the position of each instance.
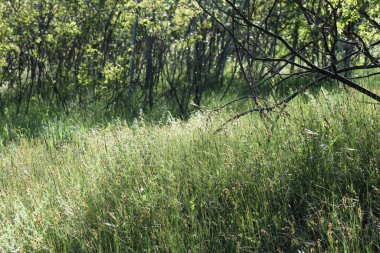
(94, 159)
(136, 54)
(75, 51)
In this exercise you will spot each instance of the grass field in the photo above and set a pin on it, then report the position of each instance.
(310, 184)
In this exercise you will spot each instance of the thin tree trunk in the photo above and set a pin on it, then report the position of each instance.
(131, 88)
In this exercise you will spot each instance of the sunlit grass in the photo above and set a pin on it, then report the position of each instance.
(310, 184)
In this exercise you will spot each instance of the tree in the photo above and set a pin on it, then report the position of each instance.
(296, 38)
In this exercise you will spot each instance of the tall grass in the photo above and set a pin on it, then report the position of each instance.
(311, 184)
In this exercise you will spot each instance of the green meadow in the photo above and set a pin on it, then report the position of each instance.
(309, 183)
